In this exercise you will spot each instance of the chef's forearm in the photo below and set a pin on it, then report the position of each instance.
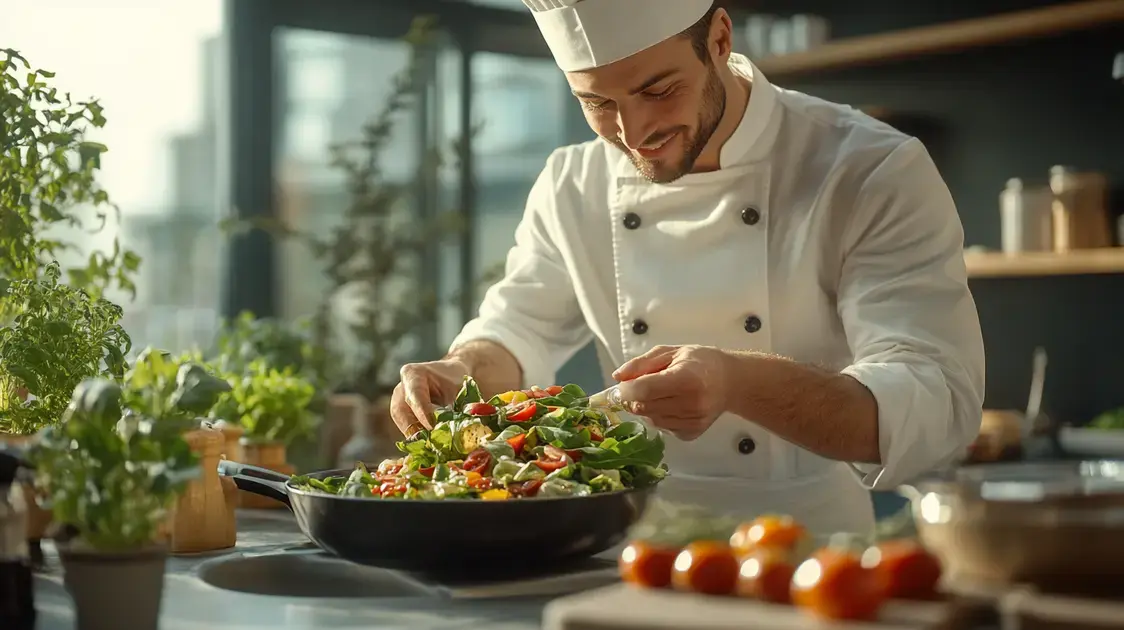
(493, 366)
(830, 414)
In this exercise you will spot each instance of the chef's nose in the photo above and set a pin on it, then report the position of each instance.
(633, 127)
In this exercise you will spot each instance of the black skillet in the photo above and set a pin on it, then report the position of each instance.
(438, 536)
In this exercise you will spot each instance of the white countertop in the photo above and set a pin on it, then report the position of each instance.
(190, 603)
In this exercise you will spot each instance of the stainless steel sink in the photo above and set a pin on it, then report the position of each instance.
(307, 575)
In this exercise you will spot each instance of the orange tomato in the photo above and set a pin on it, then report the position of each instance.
(907, 570)
(706, 567)
(645, 564)
(766, 574)
(833, 584)
(768, 531)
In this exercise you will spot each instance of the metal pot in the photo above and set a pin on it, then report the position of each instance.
(1058, 525)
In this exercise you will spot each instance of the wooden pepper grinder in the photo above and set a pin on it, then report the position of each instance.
(203, 517)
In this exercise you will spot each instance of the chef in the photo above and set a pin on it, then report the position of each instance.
(776, 280)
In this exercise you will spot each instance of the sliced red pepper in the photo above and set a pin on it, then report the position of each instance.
(554, 390)
(522, 412)
(480, 409)
(518, 442)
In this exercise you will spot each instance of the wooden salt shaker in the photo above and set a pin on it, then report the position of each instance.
(203, 517)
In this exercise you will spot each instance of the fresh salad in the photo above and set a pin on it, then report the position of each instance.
(532, 443)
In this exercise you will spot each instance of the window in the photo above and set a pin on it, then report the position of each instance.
(155, 67)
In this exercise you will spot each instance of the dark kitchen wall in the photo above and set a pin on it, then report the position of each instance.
(987, 115)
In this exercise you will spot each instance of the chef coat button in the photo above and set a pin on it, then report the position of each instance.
(752, 324)
(632, 220)
(750, 216)
(746, 446)
(639, 327)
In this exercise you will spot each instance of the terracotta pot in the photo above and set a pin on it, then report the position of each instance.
(117, 589)
(268, 455)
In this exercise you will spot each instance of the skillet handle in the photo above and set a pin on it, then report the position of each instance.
(257, 480)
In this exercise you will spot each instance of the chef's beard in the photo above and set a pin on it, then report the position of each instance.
(710, 115)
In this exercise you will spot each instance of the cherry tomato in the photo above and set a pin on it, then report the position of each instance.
(767, 531)
(525, 488)
(575, 454)
(906, 568)
(428, 472)
(523, 411)
(832, 584)
(518, 442)
(553, 458)
(706, 567)
(478, 461)
(645, 564)
(480, 409)
(766, 574)
(554, 390)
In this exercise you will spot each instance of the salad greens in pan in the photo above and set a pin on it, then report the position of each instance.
(531, 443)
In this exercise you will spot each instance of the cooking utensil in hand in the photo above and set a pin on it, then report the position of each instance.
(432, 536)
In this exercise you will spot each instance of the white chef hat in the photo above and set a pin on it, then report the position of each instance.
(586, 34)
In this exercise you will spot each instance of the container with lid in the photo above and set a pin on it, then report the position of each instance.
(1026, 218)
(1080, 209)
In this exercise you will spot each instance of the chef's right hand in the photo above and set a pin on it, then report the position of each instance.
(424, 387)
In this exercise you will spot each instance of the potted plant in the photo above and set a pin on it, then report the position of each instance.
(111, 472)
(279, 345)
(273, 408)
(48, 177)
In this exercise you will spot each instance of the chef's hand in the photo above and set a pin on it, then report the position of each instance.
(681, 389)
(424, 387)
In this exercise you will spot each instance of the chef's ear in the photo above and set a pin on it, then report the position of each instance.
(655, 360)
(721, 41)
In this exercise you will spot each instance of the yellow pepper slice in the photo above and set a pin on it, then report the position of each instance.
(514, 396)
(495, 494)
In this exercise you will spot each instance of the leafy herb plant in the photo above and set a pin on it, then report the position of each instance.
(177, 393)
(111, 473)
(272, 405)
(47, 182)
(60, 337)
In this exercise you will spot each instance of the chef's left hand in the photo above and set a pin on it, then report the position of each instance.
(681, 389)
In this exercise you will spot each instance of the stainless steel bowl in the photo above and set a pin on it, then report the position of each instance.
(1057, 525)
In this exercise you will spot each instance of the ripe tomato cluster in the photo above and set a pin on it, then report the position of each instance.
(771, 559)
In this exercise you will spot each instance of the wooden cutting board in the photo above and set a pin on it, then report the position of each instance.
(624, 607)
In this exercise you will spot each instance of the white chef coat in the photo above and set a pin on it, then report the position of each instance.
(826, 236)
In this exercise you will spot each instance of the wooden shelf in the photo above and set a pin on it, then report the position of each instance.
(1088, 261)
(947, 38)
